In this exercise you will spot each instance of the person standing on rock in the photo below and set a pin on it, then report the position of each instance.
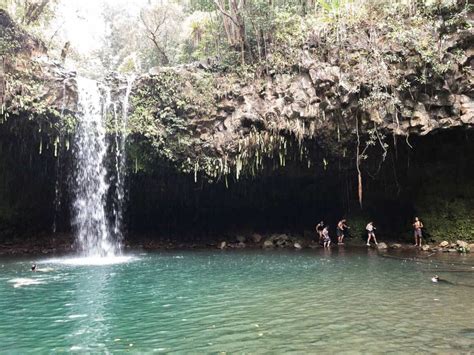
(326, 238)
(341, 227)
(319, 230)
(417, 226)
(371, 233)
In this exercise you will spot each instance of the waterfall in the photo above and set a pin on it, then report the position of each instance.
(90, 184)
(120, 122)
(57, 151)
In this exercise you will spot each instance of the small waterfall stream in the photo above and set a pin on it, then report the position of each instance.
(120, 122)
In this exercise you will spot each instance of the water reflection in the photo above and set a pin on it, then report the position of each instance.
(88, 312)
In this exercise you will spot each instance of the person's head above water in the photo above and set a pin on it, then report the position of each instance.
(435, 278)
(33, 267)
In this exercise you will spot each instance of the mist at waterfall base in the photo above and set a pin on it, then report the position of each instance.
(98, 236)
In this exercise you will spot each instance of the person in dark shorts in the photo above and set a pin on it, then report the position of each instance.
(417, 227)
(341, 227)
(319, 230)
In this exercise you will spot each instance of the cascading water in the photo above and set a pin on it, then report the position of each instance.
(57, 185)
(90, 184)
(120, 159)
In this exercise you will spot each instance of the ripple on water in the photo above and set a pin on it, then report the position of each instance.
(94, 260)
(20, 282)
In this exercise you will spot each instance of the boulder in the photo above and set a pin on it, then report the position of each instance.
(281, 240)
(444, 244)
(471, 247)
(425, 247)
(396, 246)
(241, 239)
(382, 246)
(268, 244)
(222, 245)
(297, 246)
(257, 238)
(462, 244)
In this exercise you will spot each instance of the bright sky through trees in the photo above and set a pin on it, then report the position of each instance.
(83, 24)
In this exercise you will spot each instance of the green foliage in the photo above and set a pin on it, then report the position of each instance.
(446, 208)
(9, 43)
(163, 109)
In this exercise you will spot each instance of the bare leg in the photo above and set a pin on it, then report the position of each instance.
(375, 240)
(368, 241)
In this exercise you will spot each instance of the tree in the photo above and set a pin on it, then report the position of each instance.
(234, 24)
(161, 26)
(30, 12)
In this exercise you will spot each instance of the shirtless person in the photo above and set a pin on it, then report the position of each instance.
(341, 226)
(417, 226)
(319, 230)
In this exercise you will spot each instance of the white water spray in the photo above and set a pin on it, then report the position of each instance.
(90, 185)
(120, 159)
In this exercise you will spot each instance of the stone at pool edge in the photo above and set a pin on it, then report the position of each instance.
(268, 244)
(382, 246)
(257, 238)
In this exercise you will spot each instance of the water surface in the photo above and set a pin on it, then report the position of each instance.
(239, 301)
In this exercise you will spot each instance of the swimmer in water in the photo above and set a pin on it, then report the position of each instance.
(33, 267)
(436, 279)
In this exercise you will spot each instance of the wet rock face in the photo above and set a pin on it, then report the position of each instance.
(397, 86)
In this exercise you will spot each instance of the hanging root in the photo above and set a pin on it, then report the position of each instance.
(359, 174)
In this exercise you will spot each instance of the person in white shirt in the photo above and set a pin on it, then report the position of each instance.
(326, 238)
(370, 233)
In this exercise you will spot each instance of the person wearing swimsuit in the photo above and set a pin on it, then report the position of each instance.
(326, 238)
(417, 226)
(340, 231)
(319, 230)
